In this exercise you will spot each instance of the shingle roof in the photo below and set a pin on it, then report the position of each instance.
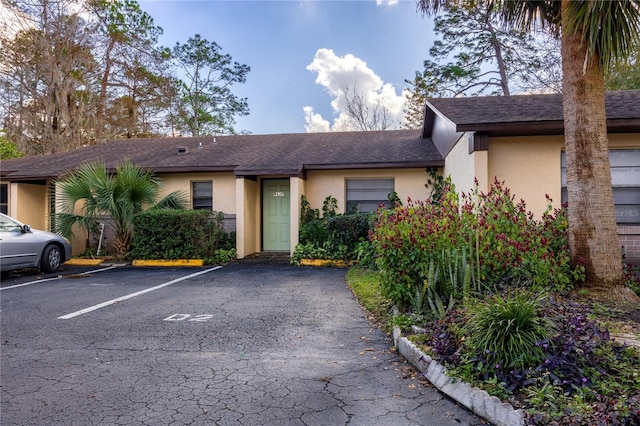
(244, 154)
(495, 112)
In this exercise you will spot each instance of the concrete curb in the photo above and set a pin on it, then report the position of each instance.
(477, 400)
(325, 262)
(83, 262)
(176, 262)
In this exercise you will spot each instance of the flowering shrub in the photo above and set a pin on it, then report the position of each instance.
(506, 245)
(408, 238)
(513, 246)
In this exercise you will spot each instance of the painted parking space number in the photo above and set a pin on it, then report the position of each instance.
(188, 317)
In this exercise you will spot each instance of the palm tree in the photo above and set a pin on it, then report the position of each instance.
(594, 35)
(119, 195)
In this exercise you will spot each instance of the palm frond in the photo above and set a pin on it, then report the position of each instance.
(611, 29)
(178, 200)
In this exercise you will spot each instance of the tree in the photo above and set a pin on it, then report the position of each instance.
(625, 75)
(594, 34)
(46, 77)
(119, 195)
(134, 70)
(207, 105)
(489, 57)
(8, 149)
(363, 117)
(414, 107)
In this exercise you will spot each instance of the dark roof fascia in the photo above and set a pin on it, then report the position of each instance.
(196, 169)
(402, 165)
(530, 128)
(25, 179)
(33, 181)
(624, 125)
(262, 172)
(429, 119)
(521, 128)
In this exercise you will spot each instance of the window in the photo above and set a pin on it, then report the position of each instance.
(625, 179)
(202, 195)
(4, 198)
(365, 195)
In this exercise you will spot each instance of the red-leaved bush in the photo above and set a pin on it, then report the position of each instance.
(502, 241)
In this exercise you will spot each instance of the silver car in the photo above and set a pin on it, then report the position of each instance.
(23, 247)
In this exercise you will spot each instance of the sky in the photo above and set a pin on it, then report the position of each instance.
(303, 54)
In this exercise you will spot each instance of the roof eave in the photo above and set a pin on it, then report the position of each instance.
(380, 165)
(531, 128)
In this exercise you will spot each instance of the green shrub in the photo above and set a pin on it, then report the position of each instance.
(407, 239)
(334, 236)
(223, 256)
(507, 330)
(178, 234)
(503, 243)
(513, 246)
(347, 229)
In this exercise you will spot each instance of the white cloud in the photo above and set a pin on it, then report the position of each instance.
(387, 2)
(340, 75)
(315, 122)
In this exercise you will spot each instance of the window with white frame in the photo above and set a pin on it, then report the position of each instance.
(625, 181)
(202, 195)
(365, 195)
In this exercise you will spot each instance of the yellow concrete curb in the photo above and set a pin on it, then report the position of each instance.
(176, 262)
(324, 262)
(84, 262)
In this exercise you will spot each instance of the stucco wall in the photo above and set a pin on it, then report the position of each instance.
(464, 168)
(29, 204)
(323, 183)
(247, 212)
(224, 187)
(531, 166)
(297, 187)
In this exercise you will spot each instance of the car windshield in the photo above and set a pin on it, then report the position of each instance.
(9, 225)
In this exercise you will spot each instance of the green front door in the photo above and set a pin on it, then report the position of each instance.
(275, 215)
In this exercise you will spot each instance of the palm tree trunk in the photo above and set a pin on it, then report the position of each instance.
(593, 233)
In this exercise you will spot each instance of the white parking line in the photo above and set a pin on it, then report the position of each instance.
(129, 296)
(58, 277)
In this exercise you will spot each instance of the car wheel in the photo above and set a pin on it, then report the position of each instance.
(51, 258)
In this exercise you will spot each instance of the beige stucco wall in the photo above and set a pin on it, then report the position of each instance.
(223, 183)
(323, 183)
(247, 212)
(464, 168)
(529, 166)
(297, 187)
(29, 204)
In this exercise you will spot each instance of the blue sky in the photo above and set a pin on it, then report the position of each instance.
(291, 44)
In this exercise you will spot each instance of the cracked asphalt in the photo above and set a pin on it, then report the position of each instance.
(247, 344)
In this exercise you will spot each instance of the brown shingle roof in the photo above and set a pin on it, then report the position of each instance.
(245, 154)
(532, 113)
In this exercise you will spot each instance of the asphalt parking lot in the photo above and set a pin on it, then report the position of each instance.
(244, 344)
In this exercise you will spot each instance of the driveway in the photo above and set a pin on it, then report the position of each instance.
(245, 344)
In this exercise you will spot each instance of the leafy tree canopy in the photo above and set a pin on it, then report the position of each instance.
(8, 149)
(207, 105)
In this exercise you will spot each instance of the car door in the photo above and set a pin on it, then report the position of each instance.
(17, 248)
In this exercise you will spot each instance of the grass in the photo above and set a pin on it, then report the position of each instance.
(366, 286)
